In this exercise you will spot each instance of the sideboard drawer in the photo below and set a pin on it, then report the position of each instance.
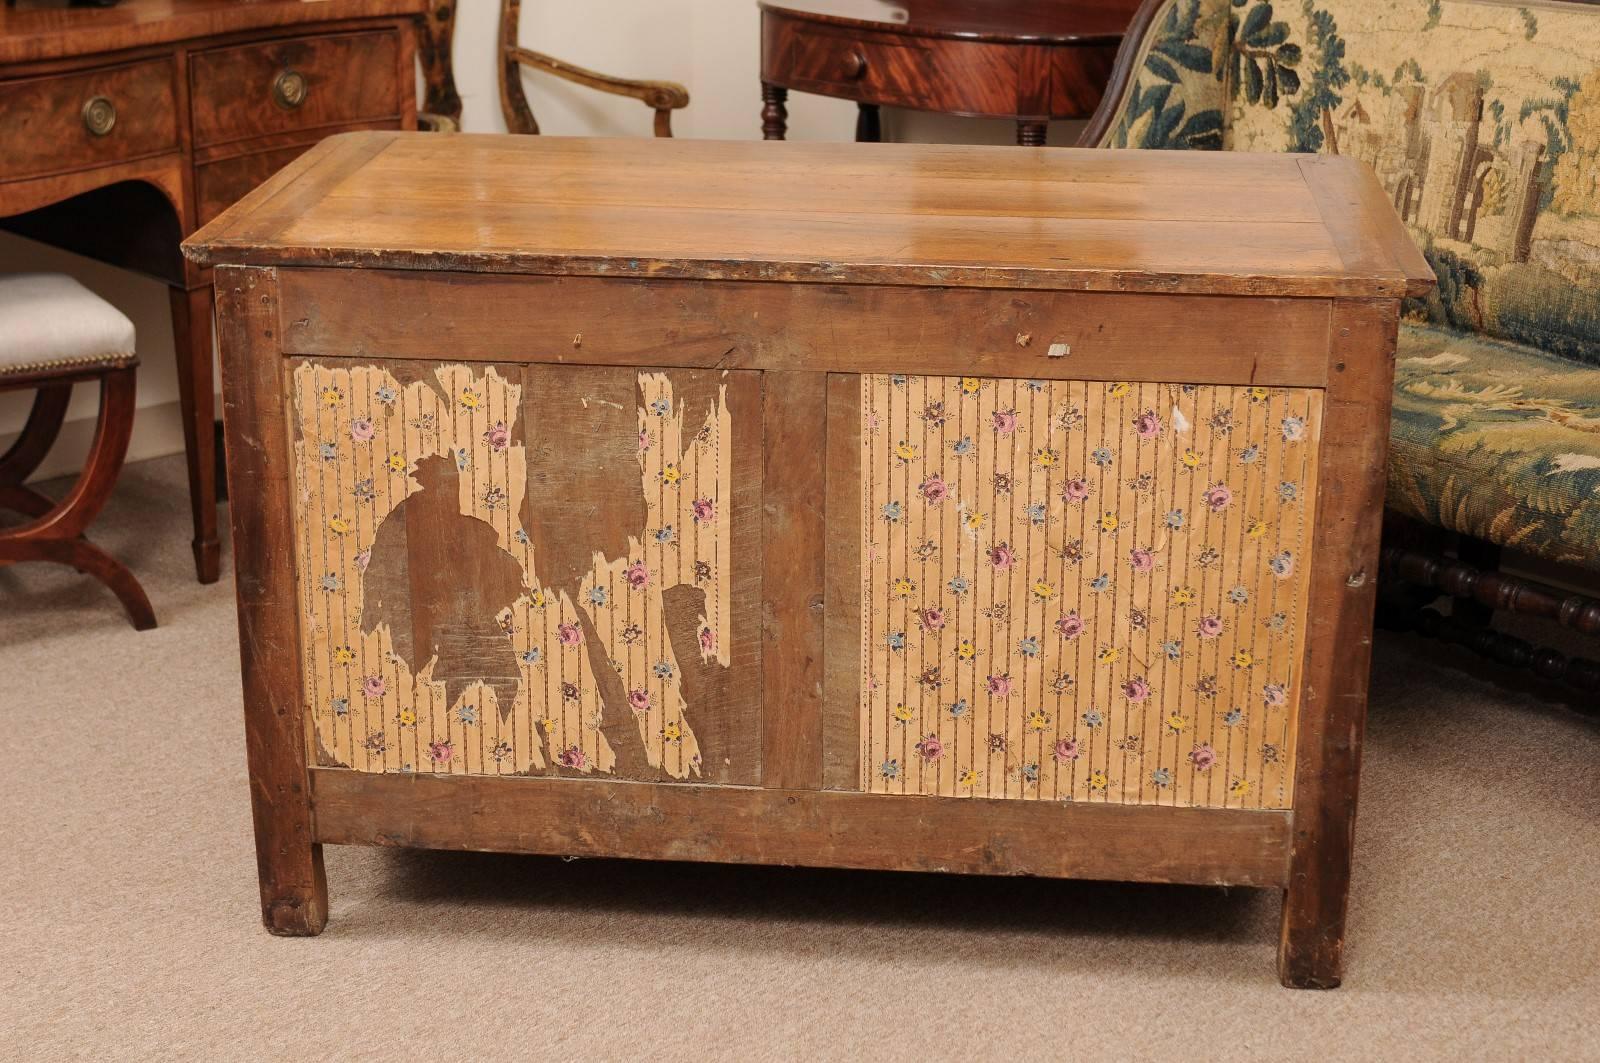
(299, 83)
(88, 118)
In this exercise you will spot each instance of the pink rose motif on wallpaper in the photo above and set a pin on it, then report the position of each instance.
(1218, 496)
(1075, 490)
(1209, 627)
(930, 748)
(999, 685)
(1273, 694)
(1136, 689)
(1141, 559)
(498, 437)
(1070, 626)
(1001, 557)
(373, 686)
(572, 757)
(441, 752)
(1066, 749)
(704, 510)
(1147, 425)
(569, 634)
(1005, 422)
(637, 575)
(639, 700)
(708, 641)
(934, 490)
(932, 618)
(362, 430)
(644, 440)
(1202, 756)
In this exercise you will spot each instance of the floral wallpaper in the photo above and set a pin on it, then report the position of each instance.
(367, 447)
(1084, 590)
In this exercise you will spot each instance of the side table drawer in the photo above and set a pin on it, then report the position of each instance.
(299, 83)
(89, 118)
(958, 77)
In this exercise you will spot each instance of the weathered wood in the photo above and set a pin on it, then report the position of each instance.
(1202, 351)
(813, 327)
(803, 827)
(294, 890)
(792, 585)
(842, 656)
(934, 215)
(1349, 516)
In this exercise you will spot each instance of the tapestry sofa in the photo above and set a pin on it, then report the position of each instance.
(1482, 122)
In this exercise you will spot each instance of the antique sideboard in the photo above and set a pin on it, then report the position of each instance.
(909, 507)
(124, 129)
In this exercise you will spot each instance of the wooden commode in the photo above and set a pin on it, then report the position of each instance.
(885, 506)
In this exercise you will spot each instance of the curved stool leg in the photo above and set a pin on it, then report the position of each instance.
(89, 559)
(38, 435)
(56, 535)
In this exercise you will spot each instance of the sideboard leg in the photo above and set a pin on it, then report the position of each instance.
(869, 127)
(774, 115)
(191, 337)
(1031, 134)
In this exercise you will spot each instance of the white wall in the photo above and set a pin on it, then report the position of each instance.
(711, 46)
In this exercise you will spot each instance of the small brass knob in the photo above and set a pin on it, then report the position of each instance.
(855, 65)
(290, 89)
(99, 115)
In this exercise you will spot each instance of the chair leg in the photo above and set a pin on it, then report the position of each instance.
(56, 535)
(38, 434)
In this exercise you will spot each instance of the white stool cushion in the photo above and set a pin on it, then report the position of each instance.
(50, 321)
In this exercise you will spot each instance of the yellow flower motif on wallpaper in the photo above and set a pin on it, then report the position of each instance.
(396, 462)
(1044, 591)
(904, 713)
(470, 399)
(970, 385)
(1242, 658)
(1044, 457)
(1108, 655)
(1109, 521)
(338, 525)
(905, 451)
(1118, 390)
(1191, 459)
(968, 777)
(332, 397)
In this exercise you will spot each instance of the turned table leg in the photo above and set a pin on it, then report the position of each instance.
(1031, 134)
(191, 339)
(774, 115)
(869, 128)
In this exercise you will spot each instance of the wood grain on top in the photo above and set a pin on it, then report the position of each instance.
(35, 30)
(1199, 222)
(1037, 21)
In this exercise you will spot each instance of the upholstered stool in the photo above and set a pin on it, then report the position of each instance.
(54, 332)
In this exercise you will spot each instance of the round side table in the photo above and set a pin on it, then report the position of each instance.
(1026, 60)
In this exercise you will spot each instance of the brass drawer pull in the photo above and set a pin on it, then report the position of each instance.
(99, 115)
(855, 65)
(290, 89)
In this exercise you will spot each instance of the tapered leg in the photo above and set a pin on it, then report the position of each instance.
(774, 115)
(1031, 134)
(191, 337)
(869, 129)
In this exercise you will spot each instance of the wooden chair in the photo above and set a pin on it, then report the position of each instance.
(53, 333)
(442, 104)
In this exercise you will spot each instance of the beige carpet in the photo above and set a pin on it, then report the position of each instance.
(131, 929)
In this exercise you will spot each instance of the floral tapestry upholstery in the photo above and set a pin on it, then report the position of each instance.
(1482, 122)
(1497, 440)
(1176, 97)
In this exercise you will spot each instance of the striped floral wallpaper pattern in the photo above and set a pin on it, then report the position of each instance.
(1084, 590)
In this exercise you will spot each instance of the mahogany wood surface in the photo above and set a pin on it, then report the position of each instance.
(1015, 59)
(123, 129)
(803, 267)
